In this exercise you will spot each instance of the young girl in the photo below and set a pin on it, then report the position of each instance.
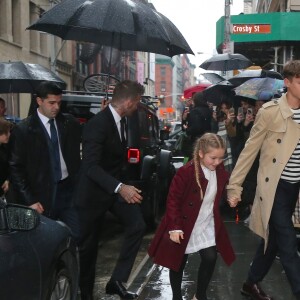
(192, 222)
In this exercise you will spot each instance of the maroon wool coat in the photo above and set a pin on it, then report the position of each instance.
(183, 206)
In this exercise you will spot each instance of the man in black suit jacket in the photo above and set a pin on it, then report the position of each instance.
(102, 188)
(34, 179)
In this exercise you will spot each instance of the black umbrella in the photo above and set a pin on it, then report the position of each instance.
(218, 92)
(121, 24)
(226, 62)
(20, 77)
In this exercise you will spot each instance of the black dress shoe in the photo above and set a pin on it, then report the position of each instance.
(116, 287)
(254, 291)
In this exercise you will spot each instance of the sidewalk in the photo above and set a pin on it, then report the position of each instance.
(227, 281)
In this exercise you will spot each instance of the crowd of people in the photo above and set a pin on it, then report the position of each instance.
(238, 152)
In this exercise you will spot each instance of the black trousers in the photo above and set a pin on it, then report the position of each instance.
(63, 208)
(90, 221)
(282, 239)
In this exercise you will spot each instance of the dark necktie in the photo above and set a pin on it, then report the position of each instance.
(123, 128)
(55, 147)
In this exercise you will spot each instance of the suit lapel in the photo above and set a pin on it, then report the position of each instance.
(109, 114)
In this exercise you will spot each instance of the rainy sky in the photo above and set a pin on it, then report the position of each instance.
(196, 20)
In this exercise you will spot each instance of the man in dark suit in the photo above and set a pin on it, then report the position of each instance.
(102, 187)
(45, 158)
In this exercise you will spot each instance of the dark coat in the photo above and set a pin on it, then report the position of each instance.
(199, 122)
(3, 165)
(183, 206)
(31, 170)
(102, 161)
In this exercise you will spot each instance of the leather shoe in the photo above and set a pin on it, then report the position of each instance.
(116, 287)
(254, 291)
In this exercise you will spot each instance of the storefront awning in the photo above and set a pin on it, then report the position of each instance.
(258, 34)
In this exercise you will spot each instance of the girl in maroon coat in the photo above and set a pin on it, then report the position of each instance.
(186, 228)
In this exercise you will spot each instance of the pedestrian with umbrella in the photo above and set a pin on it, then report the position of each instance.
(276, 135)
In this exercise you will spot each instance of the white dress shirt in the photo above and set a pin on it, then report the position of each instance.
(203, 234)
(45, 120)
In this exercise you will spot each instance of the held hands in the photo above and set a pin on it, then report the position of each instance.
(233, 201)
(131, 194)
(38, 207)
(175, 236)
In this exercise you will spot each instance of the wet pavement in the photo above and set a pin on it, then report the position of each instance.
(152, 281)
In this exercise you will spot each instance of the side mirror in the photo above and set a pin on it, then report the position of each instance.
(164, 134)
(18, 217)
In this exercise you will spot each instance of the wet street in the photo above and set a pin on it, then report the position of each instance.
(151, 281)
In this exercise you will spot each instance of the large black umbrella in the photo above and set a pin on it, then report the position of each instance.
(219, 92)
(226, 62)
(20, 77)
(121, 24)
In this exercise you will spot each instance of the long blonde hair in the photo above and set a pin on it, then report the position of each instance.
(205, 143)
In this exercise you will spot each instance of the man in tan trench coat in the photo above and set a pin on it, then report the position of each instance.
(276, 134)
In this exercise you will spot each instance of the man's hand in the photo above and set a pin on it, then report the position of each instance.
(176, 236)
(131, 194)
(233, 201)
(38, 207)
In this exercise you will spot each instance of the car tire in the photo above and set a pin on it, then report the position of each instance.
(64, 280)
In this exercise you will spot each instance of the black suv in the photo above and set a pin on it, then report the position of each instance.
(148, 166)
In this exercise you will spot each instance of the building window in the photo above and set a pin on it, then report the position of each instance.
(16, 20)
(162, 86)
(163, 71)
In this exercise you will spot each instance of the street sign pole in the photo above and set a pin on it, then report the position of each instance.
(226, 46)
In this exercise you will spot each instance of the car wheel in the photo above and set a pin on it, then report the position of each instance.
(64, 279)
(62, 286)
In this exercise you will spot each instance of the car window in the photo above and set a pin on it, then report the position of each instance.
(148, 126)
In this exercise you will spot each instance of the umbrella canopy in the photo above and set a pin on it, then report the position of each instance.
(218, 92)
(260, 88)
(226, 62)
(213, 77)
(20, 77)
(248, 74)
(121, 24)
(190, 91)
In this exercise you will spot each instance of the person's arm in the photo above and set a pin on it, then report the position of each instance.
(17, 164)
(230, 129)
(95, 137)
(246, 158)
(179, 184)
